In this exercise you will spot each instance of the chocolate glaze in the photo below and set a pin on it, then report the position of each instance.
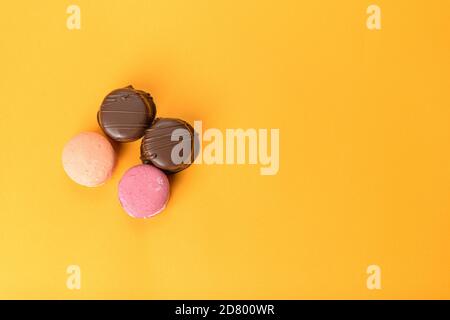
(126, 113)
(157, 146)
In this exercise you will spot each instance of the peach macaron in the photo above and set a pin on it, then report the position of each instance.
(88, 159)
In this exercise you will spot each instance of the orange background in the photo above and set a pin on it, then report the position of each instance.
(364, 149)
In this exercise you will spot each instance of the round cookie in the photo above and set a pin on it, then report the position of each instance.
(88, 159)
(143, 191)
(126, 113)
(169, 145)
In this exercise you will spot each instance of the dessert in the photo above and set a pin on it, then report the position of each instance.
(168, 144)
(143, 191)
(88, 159)
(126, 113)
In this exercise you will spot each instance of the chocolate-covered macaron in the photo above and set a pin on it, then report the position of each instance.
(126, 113)
(169, 145)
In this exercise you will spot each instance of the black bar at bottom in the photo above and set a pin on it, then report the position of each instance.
(229, 309)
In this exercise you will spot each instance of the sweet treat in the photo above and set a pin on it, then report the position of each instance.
(126, 113)
(143, 191)
(168, 144)
(88, 159)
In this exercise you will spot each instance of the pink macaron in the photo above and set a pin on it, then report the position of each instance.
(88, 159)
(144, 191)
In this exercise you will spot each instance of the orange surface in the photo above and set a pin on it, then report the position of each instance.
(364, 149)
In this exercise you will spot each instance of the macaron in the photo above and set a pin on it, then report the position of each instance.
(88, 159)
(161, 144)
(144, 191)
(126, 113)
